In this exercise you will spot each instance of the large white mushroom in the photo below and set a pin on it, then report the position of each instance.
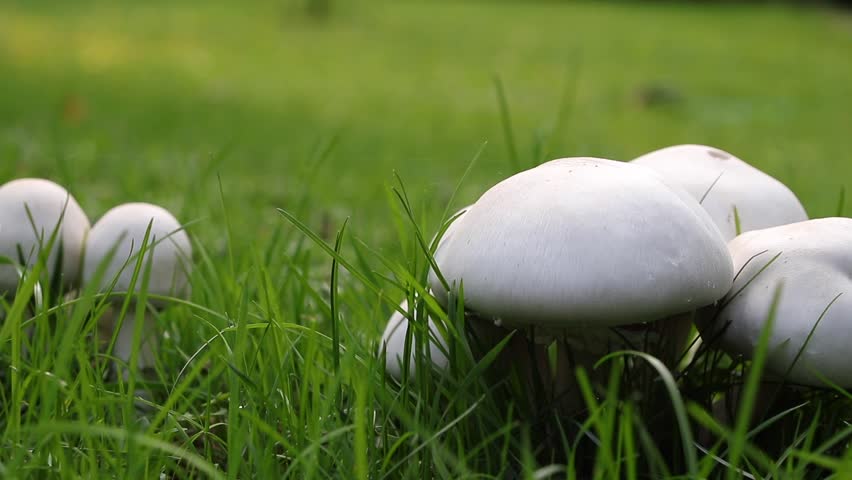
(31, 210)
(813, 268)
(579, 245)
(585, 242)
(723, 182)
(168, 252)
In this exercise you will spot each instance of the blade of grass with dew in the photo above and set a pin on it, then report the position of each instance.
(79, 428)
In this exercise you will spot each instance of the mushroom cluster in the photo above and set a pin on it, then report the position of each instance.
(601, 255)
(593, 253)
(36, 214)
(738, 196)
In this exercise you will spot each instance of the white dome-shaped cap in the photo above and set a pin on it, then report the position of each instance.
(585, 241)
(46, 202)
(761, 201)
(814, 266)
(393, 339)
(124, 226)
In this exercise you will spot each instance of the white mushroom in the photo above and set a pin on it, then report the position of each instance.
(585, 242)
(814, 270)
(31, 210)
(168, 252)
(578, 245)
(722, 182)
(393, 340)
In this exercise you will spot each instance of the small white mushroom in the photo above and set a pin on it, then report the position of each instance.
(814, 270)
(393, 340)
(168, 252)
(722, 182)
(31, 210)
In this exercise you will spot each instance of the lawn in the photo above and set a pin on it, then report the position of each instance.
(224, 112)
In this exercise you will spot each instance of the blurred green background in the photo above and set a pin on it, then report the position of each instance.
(153, 100)
(224, 111)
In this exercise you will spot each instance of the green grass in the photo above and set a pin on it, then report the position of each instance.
(226, 112)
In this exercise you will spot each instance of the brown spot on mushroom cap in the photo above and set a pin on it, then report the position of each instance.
(718, 154)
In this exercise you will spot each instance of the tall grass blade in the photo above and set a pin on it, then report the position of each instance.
(677, 403)
(752, 386)
(506, 119)
(333, 299)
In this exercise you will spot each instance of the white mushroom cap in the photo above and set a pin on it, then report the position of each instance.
(393, 339)
(760, 200)
(585, 241)
(46, 202)
(814, 266)
(124, 227)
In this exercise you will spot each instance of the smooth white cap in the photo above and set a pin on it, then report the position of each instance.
(814, 267)
(124, 226)
(585, 241)
(761, 200)
(46, 202)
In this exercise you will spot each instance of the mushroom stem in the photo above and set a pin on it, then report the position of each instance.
(565, 389)
(665, 339)
(672, 334)
(525, 358)
(126, 338)
(528, 359)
